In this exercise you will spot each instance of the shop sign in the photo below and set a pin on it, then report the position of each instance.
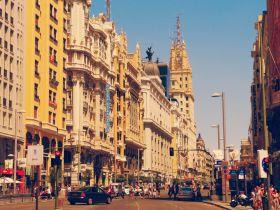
(35, 155)
(21, 163)
(9, 163)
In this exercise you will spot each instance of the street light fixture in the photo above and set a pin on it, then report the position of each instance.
(218, 128)
(15, 148)
(222, 94)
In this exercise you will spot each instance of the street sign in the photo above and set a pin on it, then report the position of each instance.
(35, 155)
(261, 155)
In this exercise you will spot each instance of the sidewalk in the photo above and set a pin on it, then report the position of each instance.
(10, 199)
(226, 205)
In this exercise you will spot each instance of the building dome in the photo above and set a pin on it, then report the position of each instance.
(151, 69)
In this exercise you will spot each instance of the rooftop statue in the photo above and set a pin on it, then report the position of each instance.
(149, 53)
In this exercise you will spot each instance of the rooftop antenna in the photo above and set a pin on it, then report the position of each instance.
(178, 30)
(108, 3)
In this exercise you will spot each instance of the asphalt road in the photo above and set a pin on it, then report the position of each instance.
(118, 204)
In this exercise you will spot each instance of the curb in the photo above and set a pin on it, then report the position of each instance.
(218, 205)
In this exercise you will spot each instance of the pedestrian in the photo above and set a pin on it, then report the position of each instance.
(198, 193)
(176, 190)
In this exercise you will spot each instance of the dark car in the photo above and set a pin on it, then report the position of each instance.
(89, 195)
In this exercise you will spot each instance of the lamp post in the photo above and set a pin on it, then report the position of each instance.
(15, 148)
(218, 128)
(222, 94)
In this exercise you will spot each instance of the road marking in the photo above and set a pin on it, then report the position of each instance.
(137, 205)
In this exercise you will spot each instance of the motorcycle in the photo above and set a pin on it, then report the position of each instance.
(241, 199)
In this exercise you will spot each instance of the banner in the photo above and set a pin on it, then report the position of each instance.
(108, 108)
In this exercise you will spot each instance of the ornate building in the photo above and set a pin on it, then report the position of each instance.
(204, 163)
(179, 142)
(134, 140)
(89, 146)
(157, 126)
(46, 82)
(12, 87)
(181, 90)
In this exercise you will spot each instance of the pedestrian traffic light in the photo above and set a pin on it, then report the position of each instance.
(265, 164)
(171, 151)
(57, 158)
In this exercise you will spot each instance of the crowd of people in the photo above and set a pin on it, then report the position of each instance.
(259, 196)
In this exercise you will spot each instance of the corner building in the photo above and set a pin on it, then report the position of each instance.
(90, 145)
(157, 125)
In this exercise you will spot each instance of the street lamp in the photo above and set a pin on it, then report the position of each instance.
(218, 128)
(15, 148)
(222, 94)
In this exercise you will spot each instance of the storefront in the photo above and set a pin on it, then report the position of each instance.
(10, 173)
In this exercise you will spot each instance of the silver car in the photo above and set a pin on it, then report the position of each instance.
(186, 193)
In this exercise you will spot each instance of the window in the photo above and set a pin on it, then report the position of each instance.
(37, 46)
(35, 112)
(63, 104)
(50, 95)
(186, 78)
(63, 122)
(37, 23)
(180, 78)
(36, 91)
(50, 117)
(54, 116)
(54, 97)
(64, 84)
(36, 66)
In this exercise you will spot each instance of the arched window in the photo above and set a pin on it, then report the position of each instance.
(53, 145)
(28, 138)
(36, 139)
(46, 144)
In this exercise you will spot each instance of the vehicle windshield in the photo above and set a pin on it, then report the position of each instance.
(188, 189)
(84, 189)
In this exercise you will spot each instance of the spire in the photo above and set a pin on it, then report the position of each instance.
(178, 30)
(108, 3)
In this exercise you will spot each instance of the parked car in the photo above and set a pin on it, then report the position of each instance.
(186, 193)
(89, 195)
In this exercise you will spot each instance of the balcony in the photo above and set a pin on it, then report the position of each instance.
(69, 123)
(69, 103)
(53, 40)
(85, 106)
(52, 104)
(54, 82)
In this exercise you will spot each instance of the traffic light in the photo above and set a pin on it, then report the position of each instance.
(171, 151)
(57, 158)
(265, 164)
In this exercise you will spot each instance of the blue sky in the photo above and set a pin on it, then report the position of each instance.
(219, 36)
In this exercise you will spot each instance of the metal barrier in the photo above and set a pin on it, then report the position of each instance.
(19, 198)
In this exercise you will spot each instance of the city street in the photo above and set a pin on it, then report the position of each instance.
(119, 204)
